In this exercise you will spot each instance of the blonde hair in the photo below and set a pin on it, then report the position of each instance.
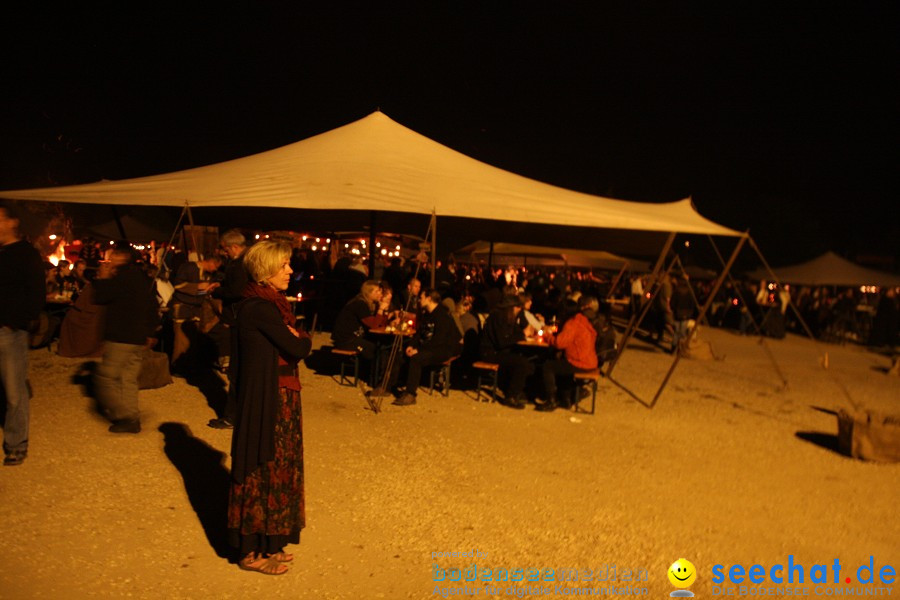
(265, 258)
(365, 292)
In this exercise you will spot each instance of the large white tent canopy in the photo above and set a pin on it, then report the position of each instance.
(376, 164)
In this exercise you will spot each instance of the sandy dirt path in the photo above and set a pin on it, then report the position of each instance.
(716, 473)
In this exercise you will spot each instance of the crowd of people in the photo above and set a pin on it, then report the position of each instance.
(234, 314)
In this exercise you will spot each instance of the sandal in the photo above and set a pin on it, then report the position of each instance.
(261, 564)
(282, 557)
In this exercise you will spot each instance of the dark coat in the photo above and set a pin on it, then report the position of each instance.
(132, 313)
(437, 332)
(232, 289)
(262, 337)
(500, 334)
(353, 321)
(22, 288)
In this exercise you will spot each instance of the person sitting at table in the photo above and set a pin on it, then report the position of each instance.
(498, 345)
(409, 301)
(577, 340)
(363, 312)
(437, 340)
(526, 317)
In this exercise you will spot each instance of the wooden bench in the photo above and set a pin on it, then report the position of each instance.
(592, 378)
(348, 357)
(489, 370)
(442, 372)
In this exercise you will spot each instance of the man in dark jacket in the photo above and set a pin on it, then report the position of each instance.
(22, 296)
(437, 340)
(233, 243)
(131, 321)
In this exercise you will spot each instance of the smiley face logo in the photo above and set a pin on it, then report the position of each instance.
(682, 573)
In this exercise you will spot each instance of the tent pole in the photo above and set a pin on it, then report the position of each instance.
(775, 279)
(636, 319)
(703, 311)
(690, 287)
(433, 245)
(756, 327)
(115, 212)
(737, 288)
(162, 258)
(193, 231)
(615, 282)
(815, 342)
(372, 255)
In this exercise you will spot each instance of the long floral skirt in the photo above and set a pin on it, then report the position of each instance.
(268, 510)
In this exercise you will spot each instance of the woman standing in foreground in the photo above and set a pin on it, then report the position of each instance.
(266, 506)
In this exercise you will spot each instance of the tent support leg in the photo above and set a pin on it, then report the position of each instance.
(190, 216)
(703, 311)
(162, 259)
(635, 319)
(433, 246)
(119, 226)
(373, 228)
(693, 295)
(756, 327)
(815, 342)
(615, 282)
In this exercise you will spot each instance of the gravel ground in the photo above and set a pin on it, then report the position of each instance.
(729, 467)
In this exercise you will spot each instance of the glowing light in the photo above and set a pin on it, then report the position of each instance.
(687, 244)
(299, 295)
(378, 244)
(734, 301)
(398, 247)
(346, 245)
(314, 248)
(304, 238)
(52, 236)
(383, 251)
(257, 236)
(468, 277)
(318, 240)
(327, 240)
(267, 236)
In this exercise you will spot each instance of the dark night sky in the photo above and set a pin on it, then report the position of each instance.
(780, 119)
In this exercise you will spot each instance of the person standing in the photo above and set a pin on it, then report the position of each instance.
(683, 308)
(230, 293)
(266, 503)
(192, 283)
(22, 297)
(132, 316)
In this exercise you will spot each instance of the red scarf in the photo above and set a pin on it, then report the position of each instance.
(256, 290)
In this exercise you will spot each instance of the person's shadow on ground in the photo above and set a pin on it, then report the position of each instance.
(206, 481)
